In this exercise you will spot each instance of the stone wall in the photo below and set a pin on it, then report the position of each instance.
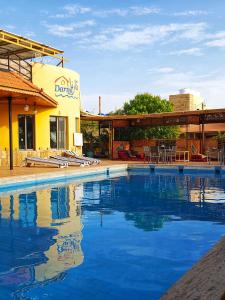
(186, 102)
(19, 156)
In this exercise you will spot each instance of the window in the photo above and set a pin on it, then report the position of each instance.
(57, 132)
(26, 132)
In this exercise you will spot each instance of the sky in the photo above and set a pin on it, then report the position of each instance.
(121, 48)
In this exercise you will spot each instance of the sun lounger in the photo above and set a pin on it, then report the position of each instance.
(73, 154)
(45, 161)
(71, 161)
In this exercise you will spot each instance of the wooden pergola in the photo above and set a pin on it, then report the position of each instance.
(185, 118)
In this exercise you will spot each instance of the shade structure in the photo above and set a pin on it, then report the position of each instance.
(22, 91)
(17, 47)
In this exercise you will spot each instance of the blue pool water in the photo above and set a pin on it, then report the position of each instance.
(127, 237)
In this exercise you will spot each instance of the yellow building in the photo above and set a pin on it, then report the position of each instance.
(39, 103)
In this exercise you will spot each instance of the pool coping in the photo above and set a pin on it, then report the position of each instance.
(15, 182)
(205, 280)
(64, 174)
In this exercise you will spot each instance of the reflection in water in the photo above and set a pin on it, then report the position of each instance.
(137, 226)
(40, 236)
(152, 200)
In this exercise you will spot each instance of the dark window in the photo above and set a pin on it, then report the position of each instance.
(26, 132)
(58, 132)
(53, 132)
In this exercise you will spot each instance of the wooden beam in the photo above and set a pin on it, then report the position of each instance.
(15, 52)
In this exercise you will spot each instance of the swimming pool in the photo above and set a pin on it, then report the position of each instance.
(127, 237)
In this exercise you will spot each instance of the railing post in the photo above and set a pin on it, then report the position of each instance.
(10, 133)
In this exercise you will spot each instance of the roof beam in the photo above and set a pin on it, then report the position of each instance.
(11, 53)
(30, 45)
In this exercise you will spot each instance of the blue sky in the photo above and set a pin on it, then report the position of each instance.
(121, 48)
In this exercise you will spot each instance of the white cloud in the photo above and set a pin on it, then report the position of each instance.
(130, 11)
(161, 70)
(190, 51)
(69, 30)
(71, 10)
(75, 9)
(132, 36)
(141, 11)
(110, 12)
(191, 13)
(217, 39)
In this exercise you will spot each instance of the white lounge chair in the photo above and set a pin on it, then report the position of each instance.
(73, 154)
(71, 161)
(45, 161)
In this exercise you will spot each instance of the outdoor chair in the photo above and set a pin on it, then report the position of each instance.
(71, 161)
(171, 154)
(126, 155)
(213, 154)
(29, 161)
(155, 154)
(146, 153)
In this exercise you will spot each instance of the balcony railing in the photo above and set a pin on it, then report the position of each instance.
(19, 66)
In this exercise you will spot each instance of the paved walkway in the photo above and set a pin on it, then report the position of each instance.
(5, 172)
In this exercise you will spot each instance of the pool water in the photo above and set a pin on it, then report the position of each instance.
(127, 237)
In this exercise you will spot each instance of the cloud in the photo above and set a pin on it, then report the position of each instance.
(191, 51)
(189, 13)
(216, 43)
(143, 10)
(69, 30)
(161, 70)
(130, 11)
(132, 36)
(111, 12)
(75, 9)
(71, 10)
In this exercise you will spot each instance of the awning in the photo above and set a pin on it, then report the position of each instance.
(23, 91)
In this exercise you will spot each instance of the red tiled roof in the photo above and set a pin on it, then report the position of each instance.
(11, 82)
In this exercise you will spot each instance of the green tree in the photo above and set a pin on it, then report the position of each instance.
(148, 104)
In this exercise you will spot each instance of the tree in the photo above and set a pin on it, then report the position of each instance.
(148, 104)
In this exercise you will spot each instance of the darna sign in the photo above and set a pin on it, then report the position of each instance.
(65, 87)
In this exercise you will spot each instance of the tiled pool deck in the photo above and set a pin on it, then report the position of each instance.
(206, 280)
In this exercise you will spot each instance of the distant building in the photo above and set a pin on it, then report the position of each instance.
(186, 100)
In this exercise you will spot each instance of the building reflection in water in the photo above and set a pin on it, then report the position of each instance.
(40, 235)
(151, 201)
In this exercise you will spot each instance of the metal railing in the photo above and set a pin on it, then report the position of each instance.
(19, 66)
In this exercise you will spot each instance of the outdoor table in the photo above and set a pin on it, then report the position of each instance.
(183, 155)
